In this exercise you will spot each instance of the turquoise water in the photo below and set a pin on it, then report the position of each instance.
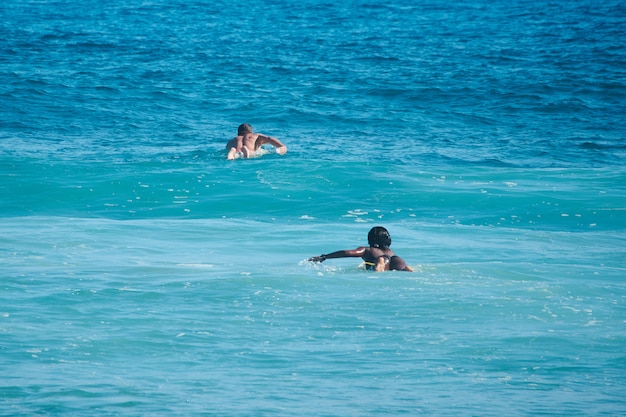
(143, 274)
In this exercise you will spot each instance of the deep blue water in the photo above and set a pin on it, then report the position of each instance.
(141, 273)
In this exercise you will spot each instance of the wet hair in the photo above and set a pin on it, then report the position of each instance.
(379, 238)
(243, 129)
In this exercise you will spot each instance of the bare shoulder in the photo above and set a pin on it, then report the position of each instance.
(373, 252)
(361, 250)
(232, 142)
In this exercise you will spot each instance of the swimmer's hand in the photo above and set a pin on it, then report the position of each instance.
(281, 150)
(319, 259)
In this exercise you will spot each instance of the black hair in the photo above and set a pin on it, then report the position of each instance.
(379, 237)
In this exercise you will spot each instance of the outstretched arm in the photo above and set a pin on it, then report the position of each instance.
(280, 147)
(354, 253)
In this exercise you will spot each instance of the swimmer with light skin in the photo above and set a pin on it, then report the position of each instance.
(247, 143)
(377, 257)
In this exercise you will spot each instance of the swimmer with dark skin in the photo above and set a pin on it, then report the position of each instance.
(377, 257)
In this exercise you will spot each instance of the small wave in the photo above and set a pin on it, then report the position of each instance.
(602, 146)
(195, 265)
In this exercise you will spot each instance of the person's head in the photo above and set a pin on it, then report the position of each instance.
(244, 129)
(379, 237)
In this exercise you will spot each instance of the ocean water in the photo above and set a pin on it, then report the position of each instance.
(141, 273)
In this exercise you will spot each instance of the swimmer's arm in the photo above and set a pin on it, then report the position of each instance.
(280, 147)
(353, 253)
